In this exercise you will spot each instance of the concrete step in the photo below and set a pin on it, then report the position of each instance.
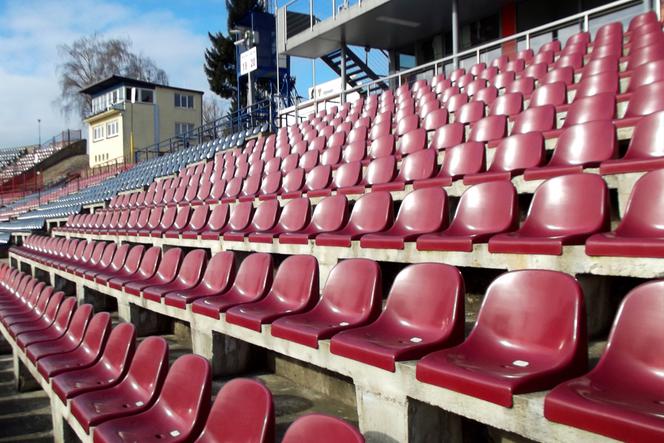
(24, 416)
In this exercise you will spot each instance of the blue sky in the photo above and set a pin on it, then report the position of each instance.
(173, 33)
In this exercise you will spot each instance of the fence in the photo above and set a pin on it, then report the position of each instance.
(258, 114)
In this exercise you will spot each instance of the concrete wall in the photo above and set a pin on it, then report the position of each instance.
(105, 149)
(140, 116)
(169, 114)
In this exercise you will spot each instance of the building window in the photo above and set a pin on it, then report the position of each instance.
(184, 101)
(97, 132)
(183, 128)
(112, 129)
(147, 96)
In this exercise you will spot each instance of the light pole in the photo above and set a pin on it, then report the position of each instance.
(39, 129)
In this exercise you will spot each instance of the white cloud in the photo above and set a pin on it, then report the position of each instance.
(32, 31)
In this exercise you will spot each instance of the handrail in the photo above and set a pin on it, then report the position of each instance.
(585, 15)
(255, 115)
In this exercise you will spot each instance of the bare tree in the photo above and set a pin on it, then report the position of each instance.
(91, 59)
(212, 112)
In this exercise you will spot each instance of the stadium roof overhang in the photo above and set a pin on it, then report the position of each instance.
(385, 24)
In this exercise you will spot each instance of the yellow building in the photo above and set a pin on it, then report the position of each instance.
(124, 109)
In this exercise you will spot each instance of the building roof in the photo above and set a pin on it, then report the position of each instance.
(109, 82)
(384, 24)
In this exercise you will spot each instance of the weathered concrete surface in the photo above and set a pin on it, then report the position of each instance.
(24, 416)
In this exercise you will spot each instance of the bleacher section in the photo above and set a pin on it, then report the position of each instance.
(80, 353)
(20, 160)
(10, 155)
(359, 242)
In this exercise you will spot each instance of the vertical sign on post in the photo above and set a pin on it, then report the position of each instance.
(248, 64)
(248, 61)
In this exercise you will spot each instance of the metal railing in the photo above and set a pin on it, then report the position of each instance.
(585, 21)
(317, 11)
(260, 113)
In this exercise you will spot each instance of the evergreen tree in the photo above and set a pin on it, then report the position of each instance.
(220, 56)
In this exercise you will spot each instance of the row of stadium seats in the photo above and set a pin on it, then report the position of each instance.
(566, 210)
(587, 145)
(518, 345)
(116, 387)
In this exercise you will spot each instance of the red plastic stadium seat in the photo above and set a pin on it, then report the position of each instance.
(177, 415)
(537, 119)
(351, 298)
(551, 94)
(133, 394)
(422, 211)
(187, 277)
(381, 170)
(264, 218)
(68, 341)
(424, 311)
(489, 128)
(470, 112)
(484, 210)
(621, 397)
(418, 166)
(51, 326)
(294, 217)
(92, 260)
(646, 74)
(104, 264)
(371, 213)
(412, 141)
(197, 222)
(447, 136)
(509, 104)
(639, 233)
(587, 109)
(645, 100)
(487, 95)
(125, 263)
(218, 275)
(524, 85)
(317, 180)
(164, 273)
(466, 158)
(329, 215)
(322, 429)
(108, 370)
(26, 307)
(82, 356)
(564, 74)
(565, 210)
(242, 412)
(294, 290)
(600, 65)
(579, 146)
(251, 283)
(514, 154)
(646, 148)
(153, 222)
(382, 147)
(435, 119)
(606, 82)
(526, 338)
(216, 222)
(539, 67)
(645, 54)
